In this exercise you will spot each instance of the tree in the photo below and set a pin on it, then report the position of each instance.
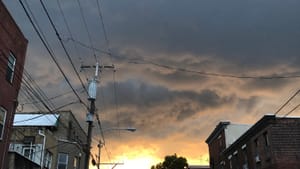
(172, 162)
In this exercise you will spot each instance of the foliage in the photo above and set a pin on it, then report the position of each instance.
(172, 162)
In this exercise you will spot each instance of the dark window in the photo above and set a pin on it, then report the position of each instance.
(245, 165)
(266, 139)
(29, 152)
(29, 140)
(235, 161)
(62, 162)
(10, 67)
(2, 121)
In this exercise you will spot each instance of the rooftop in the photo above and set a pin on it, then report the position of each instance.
(47, 120)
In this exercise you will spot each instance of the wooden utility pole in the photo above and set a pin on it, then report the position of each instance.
(92, 92)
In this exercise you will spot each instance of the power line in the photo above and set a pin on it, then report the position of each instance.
(296, 107)
(292, 97)
(104, 29)
(204, 73)
(62, 44)
(86, 28)
(50, 53)
(52, 98)
(86, 46)
(68, 27)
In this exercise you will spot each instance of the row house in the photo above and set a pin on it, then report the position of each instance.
(49, 141)
(13, 47)
(271, 143)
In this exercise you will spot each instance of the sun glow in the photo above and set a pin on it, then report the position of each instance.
(137, 163)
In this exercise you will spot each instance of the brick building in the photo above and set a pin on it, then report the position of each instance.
(221, 138)
(48, 140)
(271, 143)
(13, 47)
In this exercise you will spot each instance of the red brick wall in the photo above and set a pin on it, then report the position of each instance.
(282, 152)
(11, 40)
(215, 149)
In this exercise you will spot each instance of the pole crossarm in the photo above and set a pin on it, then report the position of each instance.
(92, 93)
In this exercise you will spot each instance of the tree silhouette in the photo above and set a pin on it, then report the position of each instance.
(172, 162)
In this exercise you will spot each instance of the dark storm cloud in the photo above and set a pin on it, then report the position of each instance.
(159, 106)
(266, 85)
(144, 95)
(241, 35)
(252, 33)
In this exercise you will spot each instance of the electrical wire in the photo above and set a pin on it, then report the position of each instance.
(116, 100)
(86, 28)
(204, 73)
(50, 53)
(86, 46)
(104, 29)
(52, 98)
(68, 28)
(63, 45)
(292, 97)
(291, 111)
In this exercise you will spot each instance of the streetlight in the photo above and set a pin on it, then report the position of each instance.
(101, 144)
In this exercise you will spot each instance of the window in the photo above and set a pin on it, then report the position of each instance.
(235, 160)
(48, 159)
(28, 152)
(75, 163)
(62, 161)
(245, 165)
(10, 67)
(2, 121)
(266, 139)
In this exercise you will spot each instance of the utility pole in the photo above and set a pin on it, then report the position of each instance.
(100, 145)
(92, 92)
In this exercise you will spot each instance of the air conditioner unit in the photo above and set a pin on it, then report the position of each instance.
(257, 159)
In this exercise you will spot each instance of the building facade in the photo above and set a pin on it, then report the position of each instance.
(271, 143)
(221, 138)
(53, 141)
(13, 47)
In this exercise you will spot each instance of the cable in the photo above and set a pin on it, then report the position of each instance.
(63, 45)
(294, 95)
(296, 107)
(203, 73)
(86, 46)
(100, 127)
(50, 53)
(104, 29)
(116, 100)
(86, 27)
(52, 98)
(68, 27)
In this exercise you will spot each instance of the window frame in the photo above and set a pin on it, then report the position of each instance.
(11, 67)
(31, 150)
(48, 159)
(2, 122)
(60, 162)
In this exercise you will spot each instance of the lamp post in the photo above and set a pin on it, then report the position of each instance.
(101, 144)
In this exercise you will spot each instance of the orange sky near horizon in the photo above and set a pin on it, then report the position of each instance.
(182, 66)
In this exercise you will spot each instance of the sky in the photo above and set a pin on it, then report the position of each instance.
(180, 68)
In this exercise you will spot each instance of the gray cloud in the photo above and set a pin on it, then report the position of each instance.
(231, 37)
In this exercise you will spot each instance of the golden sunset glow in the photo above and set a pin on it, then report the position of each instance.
(181, 67)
